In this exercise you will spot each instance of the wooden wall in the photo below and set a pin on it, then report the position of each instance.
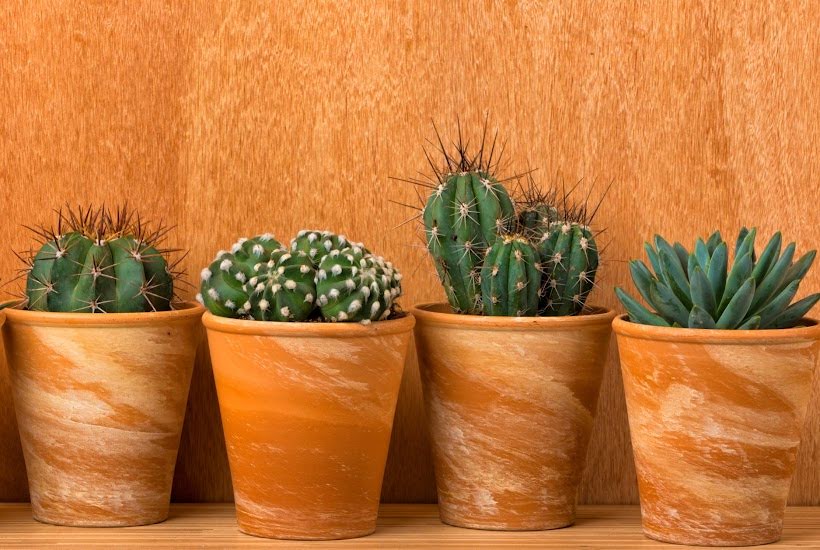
(232, 118)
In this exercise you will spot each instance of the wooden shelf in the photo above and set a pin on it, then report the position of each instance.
(400, 526)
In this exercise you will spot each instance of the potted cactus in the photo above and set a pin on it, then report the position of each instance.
(100, 358)
(512, 365)
(308, 347)
(717, 376)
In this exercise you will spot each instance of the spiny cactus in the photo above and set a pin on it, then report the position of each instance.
(354, 285)
(464, 213)
(699, 290)
(100, 261)
(569, 260)
(259, 279)
(317, 244)
(511, 278)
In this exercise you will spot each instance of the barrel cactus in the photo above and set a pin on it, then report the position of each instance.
(100, 261)
(700, 290)
(317, 244)
(511, 278)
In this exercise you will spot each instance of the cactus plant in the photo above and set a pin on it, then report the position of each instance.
(259, 279)
(569, 260)
(100, 261)
(354, 285)
(317, 244)
(699, 290)
(463, 215)
(511, 277)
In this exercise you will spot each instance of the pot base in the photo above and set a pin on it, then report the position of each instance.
(310, 532)
(508, 526)
(749, 536)
(113, 522)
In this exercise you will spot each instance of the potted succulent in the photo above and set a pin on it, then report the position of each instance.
(512, 365)
(100, 359)
(717, 381)
(308, 348)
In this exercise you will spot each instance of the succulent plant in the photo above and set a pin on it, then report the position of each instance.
(354, 285)
(511, 277)
(259, 279)
(317, 244)
(569, 260)
(699, 290)
(100, 261)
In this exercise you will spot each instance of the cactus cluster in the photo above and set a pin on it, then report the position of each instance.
(700, 290)
(320, 276)
(100, 261)
(539, 253)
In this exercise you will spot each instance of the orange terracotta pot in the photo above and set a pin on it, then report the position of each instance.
(510, 403)
(715, 418)
(307, 410)
(100, 400)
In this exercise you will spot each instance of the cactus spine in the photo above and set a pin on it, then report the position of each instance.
(511, 278)
(569, 260)
(100, 261)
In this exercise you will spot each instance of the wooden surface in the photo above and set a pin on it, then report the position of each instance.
(399, 526)
(230, 118)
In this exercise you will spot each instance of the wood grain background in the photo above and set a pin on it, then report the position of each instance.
(232, 118)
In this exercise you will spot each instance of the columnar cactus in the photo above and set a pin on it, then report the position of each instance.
(354, 285)
(511, 278)
(699, 290)
(569, 261)
(99, 261)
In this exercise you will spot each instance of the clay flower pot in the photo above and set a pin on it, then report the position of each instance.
(100, 400)
(510, 403)
(715, 418)
(307, 410)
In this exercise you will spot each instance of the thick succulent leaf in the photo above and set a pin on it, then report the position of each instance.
(717, 270)
(654, 260)
(699, 318)
(767, 289)
(741, 270)
(641, 276)
(798, 269)
(702, 295)
(751, 323)
(778, 304)
(768, 258)
(691, 264)
(795, 312)
(746, 243)
(715, 240)
(675, 277)
(682, 253)
(738, 306)
(637, 312)
(667, 304)
(702, 254)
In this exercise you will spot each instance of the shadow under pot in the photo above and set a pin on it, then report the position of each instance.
(510, 403)
(715, 418)
(100, 401)
(307, 410)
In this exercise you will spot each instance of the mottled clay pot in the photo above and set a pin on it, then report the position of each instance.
(307, 410)
(715, 418)
(100, 400)
(510, 403)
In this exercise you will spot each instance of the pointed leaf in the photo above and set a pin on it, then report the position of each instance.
(751, 323)
(702, 295)
(715, 239)
(683, 254)
(641, 277)
(795, 312)
(767, 258)
(778, 304)
(667, 304)
(766, 289)
(738, 306)
(702, 254)
(637, 313)
(699, 318)
(717, 270)
(798, 269)
(676, 278)
(654, 260)
(741, 270)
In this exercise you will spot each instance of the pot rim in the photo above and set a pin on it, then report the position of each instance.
(623, 327)
(308, 330)
(426, 312)
(184, 311)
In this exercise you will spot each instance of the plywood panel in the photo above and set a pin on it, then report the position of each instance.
(232, 118)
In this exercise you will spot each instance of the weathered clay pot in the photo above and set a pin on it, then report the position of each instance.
(307, 410)
(510, 403)
(715, 418)
(100, 400)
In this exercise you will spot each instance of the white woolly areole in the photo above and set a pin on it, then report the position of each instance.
(253, 280)
(334, 253)
(336, 270)
(240, 277)
(366, 292)
(265, 237)
(285, 311)
(328, 244)
(229, 304)
(290, 284)
(276, 288)
(246, 306)
(213, 294)
(264, 304)
(206, 274)
(350, 284)
(375, 307)
(284, 258)
(322, 275)
(308, 298)
(258, 249)
(334, 293)
(259, 288)
(342, 316)
(312, 237)
(322, 300)
(304, 269)
(354, 306)
(225, 265)
(199, 298)
(220, 254)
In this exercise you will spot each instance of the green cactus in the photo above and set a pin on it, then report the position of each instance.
(699, 290)
(569, 262)
(100, 261)
(354, 285)
(317, 244)
(259, 279)
(511, 278)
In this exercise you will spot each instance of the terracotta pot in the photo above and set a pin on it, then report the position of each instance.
(715, 418)
(100, 400)
(307, 410)
(510, 403)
